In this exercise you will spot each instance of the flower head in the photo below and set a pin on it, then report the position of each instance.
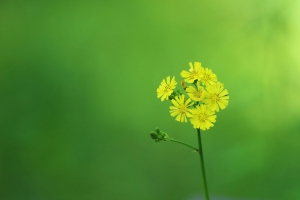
(216, 97)
(166, 88)
(195, 72)
(208, 78)
(196, 94)
(180, 108)
(203, 117)
(206, 96)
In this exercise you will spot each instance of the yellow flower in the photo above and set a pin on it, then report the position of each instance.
(203, 117)
(180, 108)
(216, 97)
(166, 88)
(196, 94)
(195, 72)
(208, 78)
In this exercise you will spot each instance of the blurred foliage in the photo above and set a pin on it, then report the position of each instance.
(78, 98)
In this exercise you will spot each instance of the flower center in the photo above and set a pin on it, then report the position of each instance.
(206, 77)
(182, 110)
(167, 88)
(215, 98)
(202, 117)
(197, 94)
(193, 74)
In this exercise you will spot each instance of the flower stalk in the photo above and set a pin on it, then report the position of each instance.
(206, 196)
(177, 141)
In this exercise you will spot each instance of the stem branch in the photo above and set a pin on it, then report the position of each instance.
(177, 141)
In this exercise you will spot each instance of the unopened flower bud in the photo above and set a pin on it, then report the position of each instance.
(183, 85)
(153, 135)
(159, 135)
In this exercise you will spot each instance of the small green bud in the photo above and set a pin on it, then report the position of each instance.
(157, 131)
(172, 96)
(179, 93)
(153, 135)
(159, 135)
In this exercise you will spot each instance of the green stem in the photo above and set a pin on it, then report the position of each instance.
(202, 166)
(177, 141)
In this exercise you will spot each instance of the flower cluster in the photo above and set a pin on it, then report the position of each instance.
(206, 96)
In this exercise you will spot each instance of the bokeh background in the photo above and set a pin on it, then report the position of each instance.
(78, 99)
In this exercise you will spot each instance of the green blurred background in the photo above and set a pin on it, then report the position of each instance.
(78, 86)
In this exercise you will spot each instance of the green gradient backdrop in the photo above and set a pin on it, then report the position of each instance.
(78, 98)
